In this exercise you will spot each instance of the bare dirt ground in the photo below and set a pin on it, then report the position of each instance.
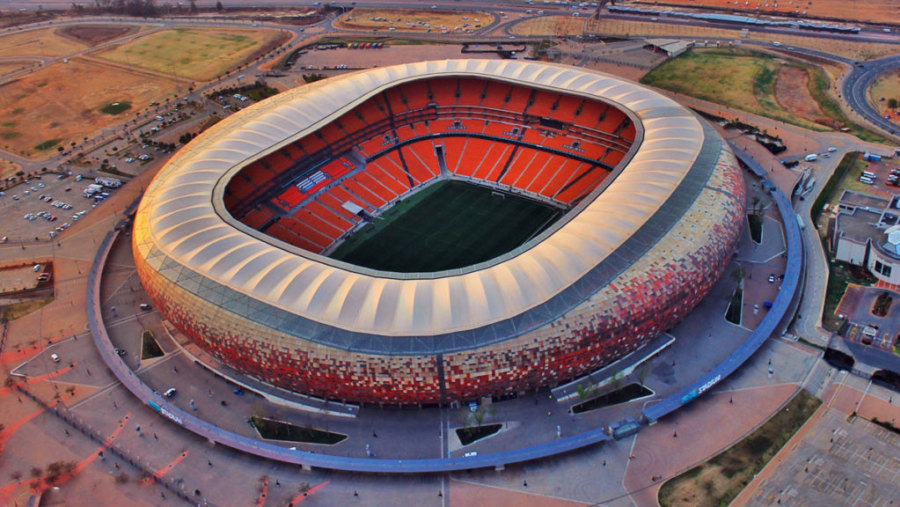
(878, 11)
(414, 21)
(390, 55)
(96, 34)
(566, 25)
(62, 102)
(792, 93)
(8, 67)
(44, 42)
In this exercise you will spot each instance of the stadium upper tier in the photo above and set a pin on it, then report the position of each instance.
(228, 235)
(544, 144)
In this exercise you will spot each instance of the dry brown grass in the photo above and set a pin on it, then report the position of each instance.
(43, 42)
(10, 67)
(195, 53)
(412, 20)
(62, 102)
(566, 25)
(7, 168)
(858, 10)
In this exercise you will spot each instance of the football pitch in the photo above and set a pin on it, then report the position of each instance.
(448, 225)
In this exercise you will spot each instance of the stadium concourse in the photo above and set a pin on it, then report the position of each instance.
(233, 238)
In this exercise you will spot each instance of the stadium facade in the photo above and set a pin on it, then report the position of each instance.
(231, 238)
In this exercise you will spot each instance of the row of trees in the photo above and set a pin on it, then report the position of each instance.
(143, 8)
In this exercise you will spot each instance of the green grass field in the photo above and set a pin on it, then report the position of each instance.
(448, 225)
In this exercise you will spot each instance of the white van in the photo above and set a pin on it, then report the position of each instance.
(869, 175)
(867, 181)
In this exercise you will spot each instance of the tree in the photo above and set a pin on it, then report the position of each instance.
(892, 103)
(738, 274)
(585, 390)
(193, 6)
(220, 7)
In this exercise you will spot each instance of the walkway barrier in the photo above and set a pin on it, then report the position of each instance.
(780, 307)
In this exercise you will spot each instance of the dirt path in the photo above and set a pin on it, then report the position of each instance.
(792, 94)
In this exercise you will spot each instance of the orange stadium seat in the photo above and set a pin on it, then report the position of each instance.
(372, 184)
(546, 173)
(518, 101)
(567, 172)
(473, 153)
(581, 187)
(370, 112)
(294, 151)
(397, 99)
(256, 218)
(424, 150)
(391, 163)
(491, 159)
(371, 147)
(497, 169)
(351, 123)
(375, 171)
(344, 196)
(363, 193)
(290, 198)
(329, 216)
(331, 134)
(495, 95)
(543, 104)
(334, 205)
(444, 91)
(312, 143)
(419, 170)
(453, 149)
(529, 172)
(470, 92)
(521, 160)
(279, 231)
(305, 232)
(308, 217)
(257, 173)
(416, 95)
(566, 108)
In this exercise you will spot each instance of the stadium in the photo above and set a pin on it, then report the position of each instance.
(440, 231)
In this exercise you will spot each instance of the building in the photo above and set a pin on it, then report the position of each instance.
(231, 238)
(866, 232)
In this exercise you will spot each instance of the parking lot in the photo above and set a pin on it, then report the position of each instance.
(43, 207)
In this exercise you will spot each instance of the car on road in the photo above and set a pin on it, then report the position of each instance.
(54, 357)
(171, 392)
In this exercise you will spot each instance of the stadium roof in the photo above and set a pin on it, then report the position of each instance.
(183, 216)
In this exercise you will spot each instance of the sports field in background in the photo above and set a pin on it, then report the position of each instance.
(448, 225)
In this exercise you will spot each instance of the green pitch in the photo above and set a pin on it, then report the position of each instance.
(448, 225)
